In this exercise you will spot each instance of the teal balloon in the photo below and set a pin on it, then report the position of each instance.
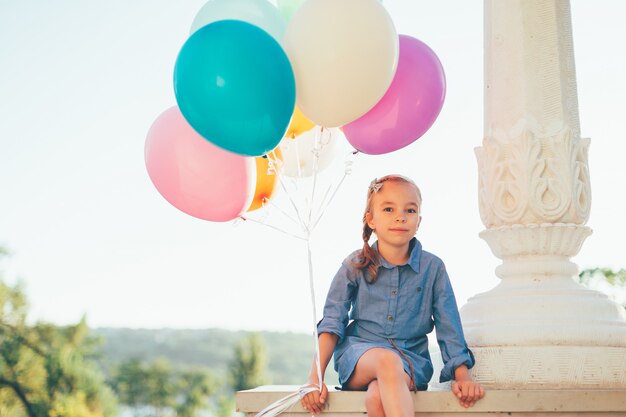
(260, 13)
(235, 86)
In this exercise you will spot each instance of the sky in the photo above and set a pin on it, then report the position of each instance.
(80, 85)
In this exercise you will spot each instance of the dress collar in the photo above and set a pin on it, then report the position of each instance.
(415, 247)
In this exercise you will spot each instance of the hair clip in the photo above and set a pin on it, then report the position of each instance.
(375, 185)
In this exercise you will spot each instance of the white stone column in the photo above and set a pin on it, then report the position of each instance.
(538, 327)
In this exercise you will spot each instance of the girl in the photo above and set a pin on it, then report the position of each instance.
(394, 293)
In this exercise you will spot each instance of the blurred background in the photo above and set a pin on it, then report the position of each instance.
(104, 284)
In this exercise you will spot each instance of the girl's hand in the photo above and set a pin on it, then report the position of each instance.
(315, 401)
(468, 392)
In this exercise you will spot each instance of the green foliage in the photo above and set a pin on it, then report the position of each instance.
(194, 387)
(607, 280)
(289, 354)
(44, 369)
(225, 406)
(127, 353)
(128, 383)
(160, 385)
(247, 369)
(166, 390)
(613, 278)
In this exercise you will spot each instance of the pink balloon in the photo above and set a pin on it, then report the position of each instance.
(194, 175)
(408, 108)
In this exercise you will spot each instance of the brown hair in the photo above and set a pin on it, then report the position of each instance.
(370, 258)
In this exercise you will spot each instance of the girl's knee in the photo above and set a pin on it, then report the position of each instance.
(390, 362)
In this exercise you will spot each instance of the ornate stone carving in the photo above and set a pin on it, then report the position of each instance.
(534, 179)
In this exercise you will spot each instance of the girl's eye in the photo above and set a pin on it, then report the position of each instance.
(412, 211)
(388, 209)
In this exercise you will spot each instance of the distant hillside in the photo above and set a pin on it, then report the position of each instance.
(289, 354)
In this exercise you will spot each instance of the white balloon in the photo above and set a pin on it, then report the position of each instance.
(299, 153)
(344, 55)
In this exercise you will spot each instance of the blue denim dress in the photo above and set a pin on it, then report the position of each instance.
(396, 312)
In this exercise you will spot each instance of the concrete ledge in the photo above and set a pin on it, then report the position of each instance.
(516, 403)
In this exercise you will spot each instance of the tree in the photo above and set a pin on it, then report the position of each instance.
(225, 406)
(129, 383)
(247, 369)
(160, 383)
(194, 389)
(183, 393)
(606, 280)
(45, 370)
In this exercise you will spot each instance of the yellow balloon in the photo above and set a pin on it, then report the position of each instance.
(266, 181)
(299, 124)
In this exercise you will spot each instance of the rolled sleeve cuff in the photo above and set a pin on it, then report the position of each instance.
(331, 326)
(447, 373)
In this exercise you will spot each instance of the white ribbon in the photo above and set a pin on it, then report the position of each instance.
(285, 403)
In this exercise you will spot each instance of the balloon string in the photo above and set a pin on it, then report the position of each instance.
(322, 202)
(287, 402)
(312, 285)
(272, 227)
(316, 155)
(282, 184)
(347, 171)
(293, 203)
(309, 255)
(283, 212)
(298, 167)
(321, 213)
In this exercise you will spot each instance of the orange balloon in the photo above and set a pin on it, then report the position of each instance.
(265, 182)
(299, 124)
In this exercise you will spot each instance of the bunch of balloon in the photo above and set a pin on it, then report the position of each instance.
(235, 91)
(238, 76)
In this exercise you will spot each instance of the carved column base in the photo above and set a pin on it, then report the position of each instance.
(554, 367)
(538, 312)
(539, 327)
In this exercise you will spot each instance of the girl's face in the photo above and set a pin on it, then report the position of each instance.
(394, 213)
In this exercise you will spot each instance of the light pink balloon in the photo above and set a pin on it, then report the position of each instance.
(194, 175)
(408, 108)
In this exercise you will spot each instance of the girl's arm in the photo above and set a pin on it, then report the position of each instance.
(314, 401)
(327, 342)
(331, 328)
(454, 351)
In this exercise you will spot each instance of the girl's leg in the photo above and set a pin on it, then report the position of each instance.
(373, 403)
(385, 366)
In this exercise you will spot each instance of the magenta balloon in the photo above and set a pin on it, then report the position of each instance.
(408, 108)
(194, 175)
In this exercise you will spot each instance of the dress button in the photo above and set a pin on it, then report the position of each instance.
(394, 292)
(390, 318)
(419, 289)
